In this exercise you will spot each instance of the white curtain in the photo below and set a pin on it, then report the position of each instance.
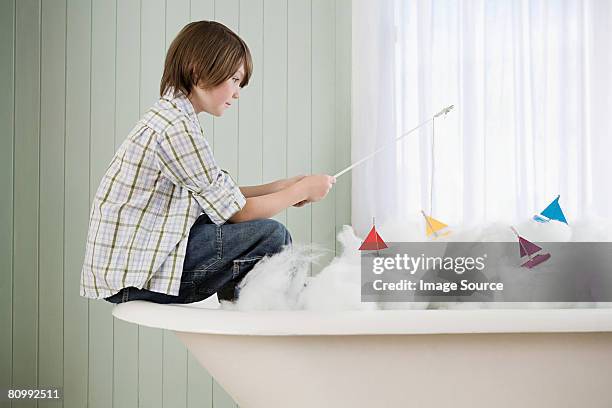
(531, 82)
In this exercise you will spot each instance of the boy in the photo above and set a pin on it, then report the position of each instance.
(168, 225)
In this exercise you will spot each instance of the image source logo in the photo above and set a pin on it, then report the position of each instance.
(485, 272)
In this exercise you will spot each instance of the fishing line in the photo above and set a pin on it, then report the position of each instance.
(431, 184)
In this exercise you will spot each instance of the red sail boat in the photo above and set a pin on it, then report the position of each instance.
(373, 241)
(528, 249)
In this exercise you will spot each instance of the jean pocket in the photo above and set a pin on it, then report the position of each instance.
(242, 266)
(209, 265)
(206, 256)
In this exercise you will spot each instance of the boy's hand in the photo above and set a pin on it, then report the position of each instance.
(288, 182)
(315, 187)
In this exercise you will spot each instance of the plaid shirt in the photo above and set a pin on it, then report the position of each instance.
(158, 183)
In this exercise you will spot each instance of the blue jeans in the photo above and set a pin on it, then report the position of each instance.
(216, 260)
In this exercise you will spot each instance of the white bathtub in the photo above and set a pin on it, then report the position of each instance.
(423, 358)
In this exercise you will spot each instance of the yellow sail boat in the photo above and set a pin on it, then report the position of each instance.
(434, 227)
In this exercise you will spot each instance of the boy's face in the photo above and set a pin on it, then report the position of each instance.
(216, 100)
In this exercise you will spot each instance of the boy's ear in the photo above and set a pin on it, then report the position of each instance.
(195, 85)
(193, 75)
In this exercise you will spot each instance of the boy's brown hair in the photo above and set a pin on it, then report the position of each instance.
(204, 52)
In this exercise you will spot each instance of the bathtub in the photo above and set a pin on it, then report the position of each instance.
(396, 358)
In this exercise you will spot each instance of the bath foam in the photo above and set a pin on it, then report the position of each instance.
(275, 282)
(338, 285)
(592, 228)
(281, 282)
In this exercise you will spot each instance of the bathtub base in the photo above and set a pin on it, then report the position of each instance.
(428, 370)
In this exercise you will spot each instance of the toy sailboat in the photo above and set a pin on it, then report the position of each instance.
(528, 249)
(433, 226)
(552, 212)
(373, 241)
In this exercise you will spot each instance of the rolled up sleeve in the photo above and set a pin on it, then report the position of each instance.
(185, 158)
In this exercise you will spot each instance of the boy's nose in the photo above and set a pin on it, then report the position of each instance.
(236, 95)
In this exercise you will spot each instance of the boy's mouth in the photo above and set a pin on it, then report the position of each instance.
(228, 104)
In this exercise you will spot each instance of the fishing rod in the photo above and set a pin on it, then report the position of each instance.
(442, 112)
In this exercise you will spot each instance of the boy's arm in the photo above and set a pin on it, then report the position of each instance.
(185, 158)
(269, 188)
(262, 189)
(268, 205)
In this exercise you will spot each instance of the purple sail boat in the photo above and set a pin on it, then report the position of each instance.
(530, 250)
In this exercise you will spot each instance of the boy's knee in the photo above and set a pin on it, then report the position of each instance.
(276, 233)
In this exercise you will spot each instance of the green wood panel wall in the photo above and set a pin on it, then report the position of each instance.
(26, 184)
(51, 210)
(76, 200)
(7, 130)
(76, 75)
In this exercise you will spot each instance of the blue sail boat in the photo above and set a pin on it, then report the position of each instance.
(552, 212)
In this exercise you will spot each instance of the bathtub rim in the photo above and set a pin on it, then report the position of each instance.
(186, 318)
